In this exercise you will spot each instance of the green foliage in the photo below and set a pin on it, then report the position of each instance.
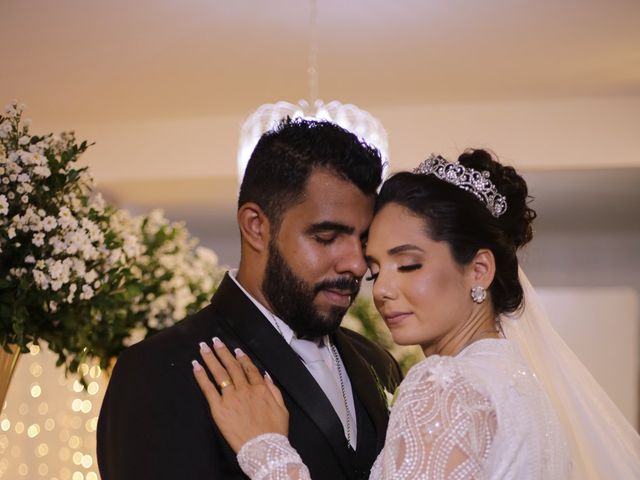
(76, 273)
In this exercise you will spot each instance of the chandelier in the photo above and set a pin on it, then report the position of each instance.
(348, 116)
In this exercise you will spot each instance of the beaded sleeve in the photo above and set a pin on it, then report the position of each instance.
(441, 427)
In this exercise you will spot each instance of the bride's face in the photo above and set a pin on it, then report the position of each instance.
(419, 289)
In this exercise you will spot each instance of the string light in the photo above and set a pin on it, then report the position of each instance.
(48, 423)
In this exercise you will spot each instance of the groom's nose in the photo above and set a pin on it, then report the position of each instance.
(351, 259)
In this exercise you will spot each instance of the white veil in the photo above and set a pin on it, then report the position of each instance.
(603, 444)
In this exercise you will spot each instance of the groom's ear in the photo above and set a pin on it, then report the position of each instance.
(254, 226)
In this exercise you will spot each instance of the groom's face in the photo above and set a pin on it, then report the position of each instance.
(316, 259)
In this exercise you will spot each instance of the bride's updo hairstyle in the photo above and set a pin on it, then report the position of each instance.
(458, 217)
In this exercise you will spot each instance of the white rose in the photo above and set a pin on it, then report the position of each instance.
(42, 171)
(29, 259)
(24, 140)
(49, 223)
(91, 276)
(79, 266)
(11, 232)
(41, 279)
(72, 290)
(38, 239)
(4, 205)
(87, 292)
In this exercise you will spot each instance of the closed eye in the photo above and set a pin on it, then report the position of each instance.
(325, 239)
(409, 268)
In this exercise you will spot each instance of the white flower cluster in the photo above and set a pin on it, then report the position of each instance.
(76, 272)
(178, 276)
(63, 248)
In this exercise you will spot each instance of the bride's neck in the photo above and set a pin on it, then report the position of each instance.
(481, 324)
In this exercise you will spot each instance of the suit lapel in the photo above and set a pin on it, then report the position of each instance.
(270, 352)
(365, 384)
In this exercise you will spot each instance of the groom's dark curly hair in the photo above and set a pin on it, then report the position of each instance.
(285, 157)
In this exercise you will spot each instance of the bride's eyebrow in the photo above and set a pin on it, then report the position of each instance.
(407, 247)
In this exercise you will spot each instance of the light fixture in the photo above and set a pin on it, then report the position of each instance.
(348, 116)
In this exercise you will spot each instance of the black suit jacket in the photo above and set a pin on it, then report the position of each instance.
(155, 423)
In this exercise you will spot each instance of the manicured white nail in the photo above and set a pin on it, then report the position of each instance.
(204, 347)
(217, 343)
(196, 365)
(239, 353)
(267, 376)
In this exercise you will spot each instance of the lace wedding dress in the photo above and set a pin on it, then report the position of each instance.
(479, 415)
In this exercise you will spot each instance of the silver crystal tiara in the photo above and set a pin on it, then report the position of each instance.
(466, 178)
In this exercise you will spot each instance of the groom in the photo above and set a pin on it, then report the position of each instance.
(304, 209)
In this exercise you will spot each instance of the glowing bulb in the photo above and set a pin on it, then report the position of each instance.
(5, 425)
(19, 427)
(36, 390)
(86, 406)
(33, 430)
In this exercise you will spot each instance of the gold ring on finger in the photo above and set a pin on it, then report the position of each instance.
(225, 383)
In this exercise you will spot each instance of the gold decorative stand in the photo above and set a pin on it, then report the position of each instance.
(8, 362)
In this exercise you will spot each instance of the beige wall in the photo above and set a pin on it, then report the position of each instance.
(577, 133)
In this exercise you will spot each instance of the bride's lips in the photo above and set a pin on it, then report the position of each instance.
(395, 318)
(341, 298)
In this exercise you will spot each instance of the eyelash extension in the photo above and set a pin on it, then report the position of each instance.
(410, 268)
(404, 268)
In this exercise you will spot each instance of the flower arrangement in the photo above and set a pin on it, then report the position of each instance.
(75, 272)
(174, 275)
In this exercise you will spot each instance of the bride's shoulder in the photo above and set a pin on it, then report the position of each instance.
(435, 371)
(446, 373)
(443, 383)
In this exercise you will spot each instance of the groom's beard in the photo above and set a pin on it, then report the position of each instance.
(292, 298)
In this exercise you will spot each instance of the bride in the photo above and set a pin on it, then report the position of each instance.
(492, 397)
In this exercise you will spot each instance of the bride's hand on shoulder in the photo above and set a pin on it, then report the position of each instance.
(243, 403)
